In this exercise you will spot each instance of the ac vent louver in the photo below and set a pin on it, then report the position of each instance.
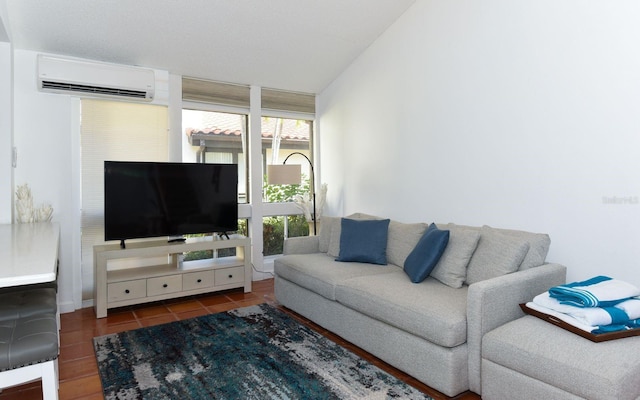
(93, 89)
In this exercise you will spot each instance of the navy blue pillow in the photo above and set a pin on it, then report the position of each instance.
(424, 257)
(364, 240)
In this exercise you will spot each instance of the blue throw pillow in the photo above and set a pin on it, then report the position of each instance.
(424, 257)
(364, 241)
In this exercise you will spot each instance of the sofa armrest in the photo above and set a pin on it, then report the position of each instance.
(301, 245)
(494, 302)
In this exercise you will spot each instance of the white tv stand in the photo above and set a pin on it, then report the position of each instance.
(135, 285)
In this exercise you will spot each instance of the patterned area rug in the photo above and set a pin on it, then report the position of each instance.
(256, 352)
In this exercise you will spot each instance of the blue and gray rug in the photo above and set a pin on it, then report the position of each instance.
(255, 352)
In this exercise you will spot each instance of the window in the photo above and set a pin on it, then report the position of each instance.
(281, 138)
(217, 137)
(286, 127)
(118, 131)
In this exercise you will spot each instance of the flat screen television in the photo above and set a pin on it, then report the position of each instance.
(155, 199)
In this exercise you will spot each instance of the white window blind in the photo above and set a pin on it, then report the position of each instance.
(204, 91)
(229, 94)
(280, 100)
(115, 131)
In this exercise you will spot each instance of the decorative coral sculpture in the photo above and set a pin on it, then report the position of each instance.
(305, 203)
(24, 207)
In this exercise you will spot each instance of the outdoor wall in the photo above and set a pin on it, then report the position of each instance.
(520, 115)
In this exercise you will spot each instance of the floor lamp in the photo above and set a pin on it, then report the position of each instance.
(292, 175)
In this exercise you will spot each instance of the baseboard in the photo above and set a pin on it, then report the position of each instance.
(68, 306)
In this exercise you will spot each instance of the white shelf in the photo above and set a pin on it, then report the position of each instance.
(134, 285)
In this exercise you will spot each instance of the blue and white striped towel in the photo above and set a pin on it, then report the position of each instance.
(621, 313)
(600, 291)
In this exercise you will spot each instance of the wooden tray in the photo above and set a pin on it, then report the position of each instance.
(600, 337)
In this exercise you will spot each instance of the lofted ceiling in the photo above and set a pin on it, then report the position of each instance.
(299, 45)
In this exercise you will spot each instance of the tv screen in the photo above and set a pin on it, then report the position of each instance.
(152, 199)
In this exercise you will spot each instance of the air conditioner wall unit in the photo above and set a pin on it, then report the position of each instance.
(94, 79)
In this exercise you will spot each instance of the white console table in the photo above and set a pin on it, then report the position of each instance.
(135, 285)
(29, 253)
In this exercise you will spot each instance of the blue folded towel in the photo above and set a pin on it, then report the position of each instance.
(599, 291)
(631, 324)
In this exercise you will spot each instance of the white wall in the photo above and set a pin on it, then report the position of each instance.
(47, 136)
(6, 136)
(514, 114)
(43, 132)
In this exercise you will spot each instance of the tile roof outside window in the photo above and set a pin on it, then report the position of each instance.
(222, 124)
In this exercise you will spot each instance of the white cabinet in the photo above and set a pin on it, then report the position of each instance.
(134, 285)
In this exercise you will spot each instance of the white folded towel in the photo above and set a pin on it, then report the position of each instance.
(599, 291)
(561, 316)
(631, 307)
(593, 316)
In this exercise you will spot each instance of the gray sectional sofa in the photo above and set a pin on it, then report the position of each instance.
(431, 330)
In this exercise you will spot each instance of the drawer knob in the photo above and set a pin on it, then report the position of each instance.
(199, 280)
(230, 276)
(127, 291)
(165, 285)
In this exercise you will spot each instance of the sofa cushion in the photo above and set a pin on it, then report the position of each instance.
(326, 227)
(538, 246)
(403, 238)
(424, 257)
(401, 241)
(320, 273)
(336, 233)
(451, 269)
(364, 241)
(430, 310)
(334, 240)
(497, 254)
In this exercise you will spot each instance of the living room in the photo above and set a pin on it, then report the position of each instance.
(519, 115)
(524, 113)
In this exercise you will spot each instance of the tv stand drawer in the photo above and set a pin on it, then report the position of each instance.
(228, 276)
(197, 280)
(120, 291)
(164, 285)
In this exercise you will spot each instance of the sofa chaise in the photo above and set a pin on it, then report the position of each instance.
(433, 329)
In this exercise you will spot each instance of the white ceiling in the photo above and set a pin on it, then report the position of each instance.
(299, 45)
